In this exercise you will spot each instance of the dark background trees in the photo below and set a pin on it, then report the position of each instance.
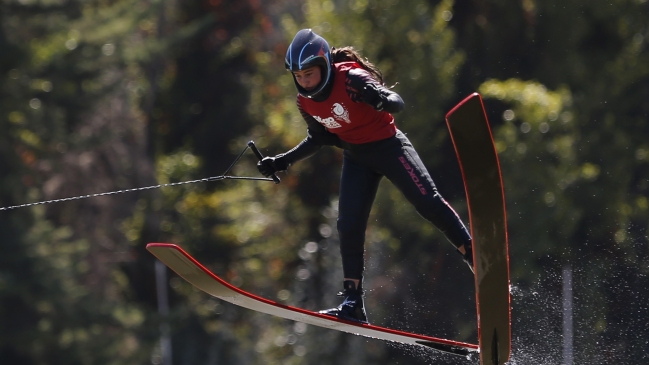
(106, 95)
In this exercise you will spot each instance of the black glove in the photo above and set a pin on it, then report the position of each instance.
(270, 165)
(372, 95)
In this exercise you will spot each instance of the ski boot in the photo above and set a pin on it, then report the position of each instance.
(352, 308)
(468, 256)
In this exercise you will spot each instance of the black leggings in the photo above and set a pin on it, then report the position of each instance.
(363, 167)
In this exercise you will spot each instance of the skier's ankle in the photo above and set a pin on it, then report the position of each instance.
(352, 308)
(352, 284)
(466, 251)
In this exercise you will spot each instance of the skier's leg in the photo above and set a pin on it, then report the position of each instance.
(407, 172)
(358, 186)
(357, 191)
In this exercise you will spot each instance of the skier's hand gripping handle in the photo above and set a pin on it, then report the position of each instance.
(252, 146)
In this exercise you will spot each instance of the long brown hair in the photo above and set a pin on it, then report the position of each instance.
(348, 53)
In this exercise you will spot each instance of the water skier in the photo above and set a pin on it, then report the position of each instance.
(344, 102)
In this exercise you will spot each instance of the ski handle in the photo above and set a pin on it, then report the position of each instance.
(254, 149)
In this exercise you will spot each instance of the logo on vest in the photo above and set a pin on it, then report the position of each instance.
(328, 122)
(340, 113)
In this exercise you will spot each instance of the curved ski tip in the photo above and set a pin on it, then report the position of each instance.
(156, 244)
(464, 101)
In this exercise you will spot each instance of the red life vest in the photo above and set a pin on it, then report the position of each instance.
(353, 122)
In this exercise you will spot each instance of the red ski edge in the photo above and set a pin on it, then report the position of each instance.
(195, 273)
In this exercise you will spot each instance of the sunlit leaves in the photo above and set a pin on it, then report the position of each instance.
(534, 103)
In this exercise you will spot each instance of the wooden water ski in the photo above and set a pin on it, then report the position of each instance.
(478, 158)
(191, 270)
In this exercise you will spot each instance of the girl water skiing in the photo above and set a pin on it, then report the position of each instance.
(345, 104)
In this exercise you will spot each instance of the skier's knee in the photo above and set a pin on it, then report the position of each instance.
(350, 230)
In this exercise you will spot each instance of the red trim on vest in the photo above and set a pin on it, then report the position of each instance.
(353, 122)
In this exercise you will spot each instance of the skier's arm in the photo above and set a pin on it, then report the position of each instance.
(362, 87)
(317, 136)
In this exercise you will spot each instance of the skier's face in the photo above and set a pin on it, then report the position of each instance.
(308, 78)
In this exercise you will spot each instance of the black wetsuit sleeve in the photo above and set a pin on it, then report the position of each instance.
(359, 79)
(317, 136)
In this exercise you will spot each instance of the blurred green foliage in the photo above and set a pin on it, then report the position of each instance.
(100, 96)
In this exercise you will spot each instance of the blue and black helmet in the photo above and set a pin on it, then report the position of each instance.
(306, 50)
